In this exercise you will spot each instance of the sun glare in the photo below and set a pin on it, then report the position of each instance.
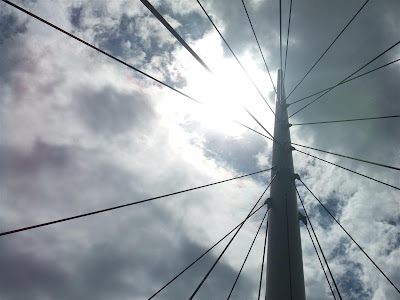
(227, 91)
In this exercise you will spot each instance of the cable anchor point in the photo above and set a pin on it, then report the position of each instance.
(296, 176)
(289, 147)
(302, 218)
(268, 202)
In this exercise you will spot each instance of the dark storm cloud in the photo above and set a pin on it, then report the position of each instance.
(110, 112)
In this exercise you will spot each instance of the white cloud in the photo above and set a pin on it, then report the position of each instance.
(81, 132)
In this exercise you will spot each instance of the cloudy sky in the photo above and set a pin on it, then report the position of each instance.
(80, 132)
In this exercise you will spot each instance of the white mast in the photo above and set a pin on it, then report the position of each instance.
(285, 278)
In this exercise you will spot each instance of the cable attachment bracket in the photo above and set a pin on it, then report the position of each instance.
(284, 105)
(268, 202)
(302, 218)
(288, 147)
(296, 176)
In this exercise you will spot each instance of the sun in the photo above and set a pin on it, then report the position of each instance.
(227, 92)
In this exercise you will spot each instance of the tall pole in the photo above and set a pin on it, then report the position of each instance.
(285, 278)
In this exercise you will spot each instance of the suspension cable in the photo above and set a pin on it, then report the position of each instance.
(348, 120)
(113, 57)
(365, 3)
(395, 187)
(346, 81)
(110, 55)
(319, 258)
(319, 245)
(182, 41)
(348, 234)
(234, 55)
(280, 36)
(99, 50)
(259, 47)
(258, 122)
(254, 130)
(155, 12)
(127, 204)
(209, 249)
(287, 39)
(262, 264)
(349, 157)
(339, 83)
(226, 247)
(247, 255)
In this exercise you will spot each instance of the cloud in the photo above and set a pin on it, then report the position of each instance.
(111, 113)
(81, 133)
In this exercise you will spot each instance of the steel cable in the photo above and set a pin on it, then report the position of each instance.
(259, 47)
(348, 120)
(113, 57)
(99, 50)
(348, 234)
(234, 55)
(395, 187)
(287, 39)
(349, 157)
(125, 205)
(226, 247)
(365, 3)
(247, 255)
(346, 81)
(262, 264)
(155, 12)
(319, 245)
(209, 249)
(341, 82)
(322, 266)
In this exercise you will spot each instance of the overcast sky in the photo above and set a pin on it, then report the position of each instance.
(80, 132)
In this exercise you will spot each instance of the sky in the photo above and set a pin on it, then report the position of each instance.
(81, 132)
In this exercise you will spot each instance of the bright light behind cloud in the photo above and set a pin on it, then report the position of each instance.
(227, 91)
(82, 132)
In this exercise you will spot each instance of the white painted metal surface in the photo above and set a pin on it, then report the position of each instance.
(285, 278)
